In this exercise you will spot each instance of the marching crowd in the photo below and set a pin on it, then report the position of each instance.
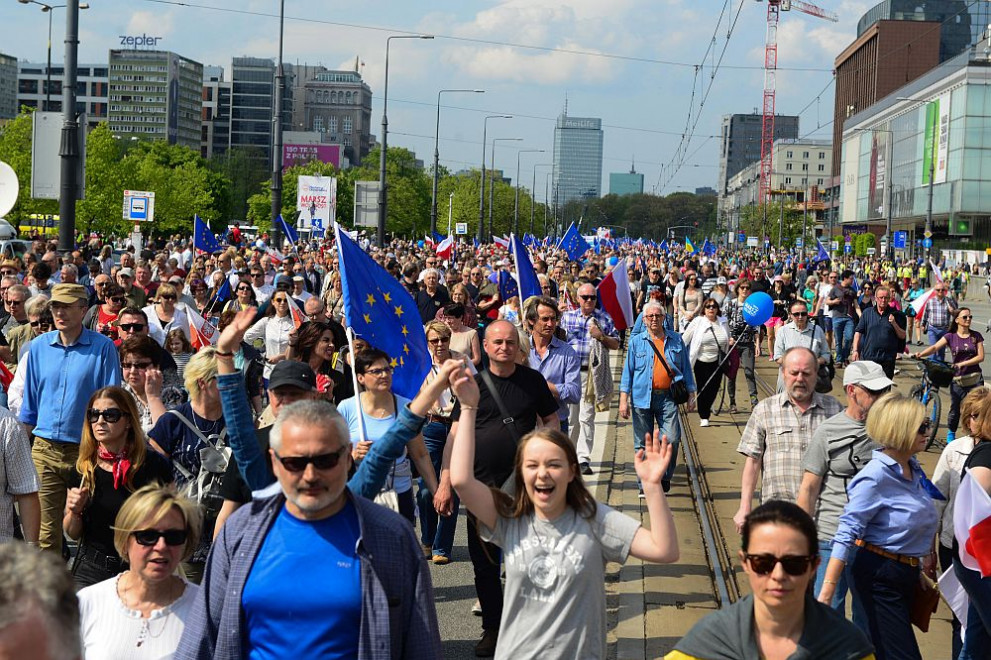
(227, 470)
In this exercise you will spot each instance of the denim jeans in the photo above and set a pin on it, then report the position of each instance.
(957, 394)
(746, 351)
(977, 637)
(935, 334)
(887, 589)
(664, 412)
(436, 531)
(843, 585)
(843, 336)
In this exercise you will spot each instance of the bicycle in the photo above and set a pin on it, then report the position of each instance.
(935, 375)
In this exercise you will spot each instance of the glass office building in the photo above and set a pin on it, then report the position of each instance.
(963, 22)
(577, 158)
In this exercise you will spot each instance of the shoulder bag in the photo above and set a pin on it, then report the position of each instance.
(826, 372)
(678, 390)
(388, 497)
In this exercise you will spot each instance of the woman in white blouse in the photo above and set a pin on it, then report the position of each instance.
(141, 613)
(165, 316)
(707, 337)
(274, 329)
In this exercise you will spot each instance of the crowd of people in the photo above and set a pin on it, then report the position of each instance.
(228, 471)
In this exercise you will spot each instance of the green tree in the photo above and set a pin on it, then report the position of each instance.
(863, 241)
(753, 222)
(15, 150)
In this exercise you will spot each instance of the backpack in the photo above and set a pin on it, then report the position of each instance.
(204, 488)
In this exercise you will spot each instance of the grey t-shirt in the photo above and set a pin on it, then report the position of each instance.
(839, 449)
(555, 602)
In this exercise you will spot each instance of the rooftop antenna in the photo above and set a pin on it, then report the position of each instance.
(633, 165)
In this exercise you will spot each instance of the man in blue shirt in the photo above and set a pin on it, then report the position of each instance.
(64, 368)
(556, 361)
(880, 333)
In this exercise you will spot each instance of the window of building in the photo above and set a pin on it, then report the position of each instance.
(805, 167)
(318, 124)
(788, 167)
(789, 154)
(333, 97)
(787, 179)
(346, 125)
(822, 155)
(820, 182)
(822, 168)
(805, 154)
(332, 124)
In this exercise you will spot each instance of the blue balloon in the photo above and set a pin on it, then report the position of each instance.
(757, 308)
(420, 244)
(613, 261)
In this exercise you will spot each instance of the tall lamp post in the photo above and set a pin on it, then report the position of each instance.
(932, 172)
(383, 205)
(481, 187)
(280, 83)
(889, 252)
(491, 175)
(533, 192)
(516, 201)
(433, 199)
(46, 8)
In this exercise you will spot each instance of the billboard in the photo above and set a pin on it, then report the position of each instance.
(316, 200)
(936, 145)
(300, 154)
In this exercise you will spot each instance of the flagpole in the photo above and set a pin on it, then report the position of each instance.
(450, 212)
(349, 332)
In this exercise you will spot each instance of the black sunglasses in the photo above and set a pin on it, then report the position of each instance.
(925, 426)
(587, 297)
(167, 296)
(149, 537)
(44, 324)
(112, 415)
(799, 315)
(120, 300)
(320, 462)
(132, 327)
(793, 564)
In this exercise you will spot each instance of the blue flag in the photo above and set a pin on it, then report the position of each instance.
(438, 237)
(822, 255)
(708, 248)
(507, 286)
(529, 284)
(288, 230)
(381, 311)
(574, 243)
(663, 245)
(224, 293)
(203, 238)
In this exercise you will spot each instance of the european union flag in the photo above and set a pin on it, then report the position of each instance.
(529, 284)
(574, 243)
(203, 238)
(708, 248)
(223, 292)
(822, 255)
(380, 310)
(507, 286)
(663, 245)
(438, 237)
(288, 230)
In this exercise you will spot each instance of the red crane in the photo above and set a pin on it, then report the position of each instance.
(774, 7)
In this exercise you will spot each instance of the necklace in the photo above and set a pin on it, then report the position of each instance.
(146, 630)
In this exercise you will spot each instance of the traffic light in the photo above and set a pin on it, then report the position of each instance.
(961, 227)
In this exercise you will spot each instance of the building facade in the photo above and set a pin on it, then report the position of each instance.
(216, 130)
(8, 87)
(338, 106)
(626, 183)
(960, 23)
(577, 167)
(92, 89)
(156, 95)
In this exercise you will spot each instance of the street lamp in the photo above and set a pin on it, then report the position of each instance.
(46, 8)
(433, 199)
(481, 188)
(932, 174)
(889, 251)
(276, 185)
(385, 132)
(491, 171)
(533, 192)
(516, 201)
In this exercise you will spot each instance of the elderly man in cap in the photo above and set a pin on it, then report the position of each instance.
(135, 294)
(63, 369)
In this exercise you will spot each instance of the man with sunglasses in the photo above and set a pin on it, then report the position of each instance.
(16, 297)
(880, 333)
(63, 369)
(839, 449)
(799, 332)
(937, 316)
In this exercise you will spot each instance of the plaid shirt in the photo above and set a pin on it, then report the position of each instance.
(777, 435)
(17, 473)
(577, 324)
(938, 312)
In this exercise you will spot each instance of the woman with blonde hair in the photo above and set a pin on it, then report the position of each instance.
(891, 519)
(112, 464)
(142, 612)
(164, 315)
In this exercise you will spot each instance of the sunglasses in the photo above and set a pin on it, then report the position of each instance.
(43, 324)
(120, 300)
(132, 327)
(925, 426)
(964, 318)
(320, 462)
(244, 288)
(167, 296)
(258, 274)
(794, 565)
(149, 537)
(712, 306)
(438, 340)
(799, 315)
(587, 297)
(136, 365)
(278, 300)
(112, 415)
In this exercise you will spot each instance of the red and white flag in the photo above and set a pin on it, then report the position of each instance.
(498, 240)
(614, 292)
(298, 317)
(275, 255)
(972, 525)
(936, 272)
(446, 248)
(919, 304)
(201, 332)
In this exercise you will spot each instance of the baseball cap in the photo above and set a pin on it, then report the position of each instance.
(125, 272)
(721, 280)
(69, 294)
(868, 375)
(291, 372)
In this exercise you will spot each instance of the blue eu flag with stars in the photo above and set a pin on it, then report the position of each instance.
(203, 238)
(574, 243)
(507, 286)
(380, 310)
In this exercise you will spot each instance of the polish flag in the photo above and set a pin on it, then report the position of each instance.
(445, 248)
(201, 332)
(936, 272)
(919, 304)
(503, 242)
(972, 525)
(298, 317)
(275, 255)
(614, 292)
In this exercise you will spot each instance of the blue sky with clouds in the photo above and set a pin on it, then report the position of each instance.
(631, 62)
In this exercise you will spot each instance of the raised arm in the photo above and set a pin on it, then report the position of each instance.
(476, 495)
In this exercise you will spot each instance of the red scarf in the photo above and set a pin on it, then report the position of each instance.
(121, 464)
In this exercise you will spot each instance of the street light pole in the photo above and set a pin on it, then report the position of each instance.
(46, 8)
(433, 199)
(383, 204)
(69, 147)
(492, 177)
(481, 187)
(280, 82)
(516, 202)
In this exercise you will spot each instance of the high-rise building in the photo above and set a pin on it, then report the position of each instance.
(740, 148)
(577, 172)
(626, 183)
(253, 103)
(960, 23)
(337, 105)
(92, 89)
(216, 132)
(8, 87)
(156, 94)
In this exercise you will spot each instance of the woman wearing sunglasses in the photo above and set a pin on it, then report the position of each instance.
(39, 321)
(142, 612)
(779, 619)
(244, 297)
(744, 343)
(707, 337)
(967, 348)
(113, 463)
(165, 315)
(891, 520)
(142, 378)
(102, 317)
(274, 329)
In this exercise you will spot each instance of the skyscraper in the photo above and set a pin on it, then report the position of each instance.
(253, 103)
(577, 158)
(8, 86)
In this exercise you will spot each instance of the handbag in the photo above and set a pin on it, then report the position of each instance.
(968, 380)
(825, 373)
(726, 363)
(925, 600)
(678, 390)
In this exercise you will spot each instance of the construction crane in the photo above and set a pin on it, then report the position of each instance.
(774, 8)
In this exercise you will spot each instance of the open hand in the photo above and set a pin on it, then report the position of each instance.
(464, 387)
(230, 339)
(652, 461)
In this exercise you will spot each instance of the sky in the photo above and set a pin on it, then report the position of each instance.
(647, 68)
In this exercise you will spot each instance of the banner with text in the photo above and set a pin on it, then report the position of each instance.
(316, 200)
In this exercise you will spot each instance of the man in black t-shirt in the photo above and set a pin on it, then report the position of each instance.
(525, 398)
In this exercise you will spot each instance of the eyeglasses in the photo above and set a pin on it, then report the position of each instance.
(799, 315)
(132, 327)
(43, 324)
(120, 300)
(436, 340)
(112, 415)
(964, 318)
(136, 365)
(11, 301)
(149, 537)
(379, 371)
(97, 284)
(320, 462)
(258, 274)
(587, 297)
(793, 564)
(653, 316)
(925, 426)
(168, 296)
(712, 307)
(278, 300)
(244, 288)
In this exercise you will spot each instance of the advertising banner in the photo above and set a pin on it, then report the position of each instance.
(300, 154)
(316, 200)
(942, 137)
(929, 140)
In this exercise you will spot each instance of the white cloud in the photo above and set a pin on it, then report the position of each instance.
(153, 23)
